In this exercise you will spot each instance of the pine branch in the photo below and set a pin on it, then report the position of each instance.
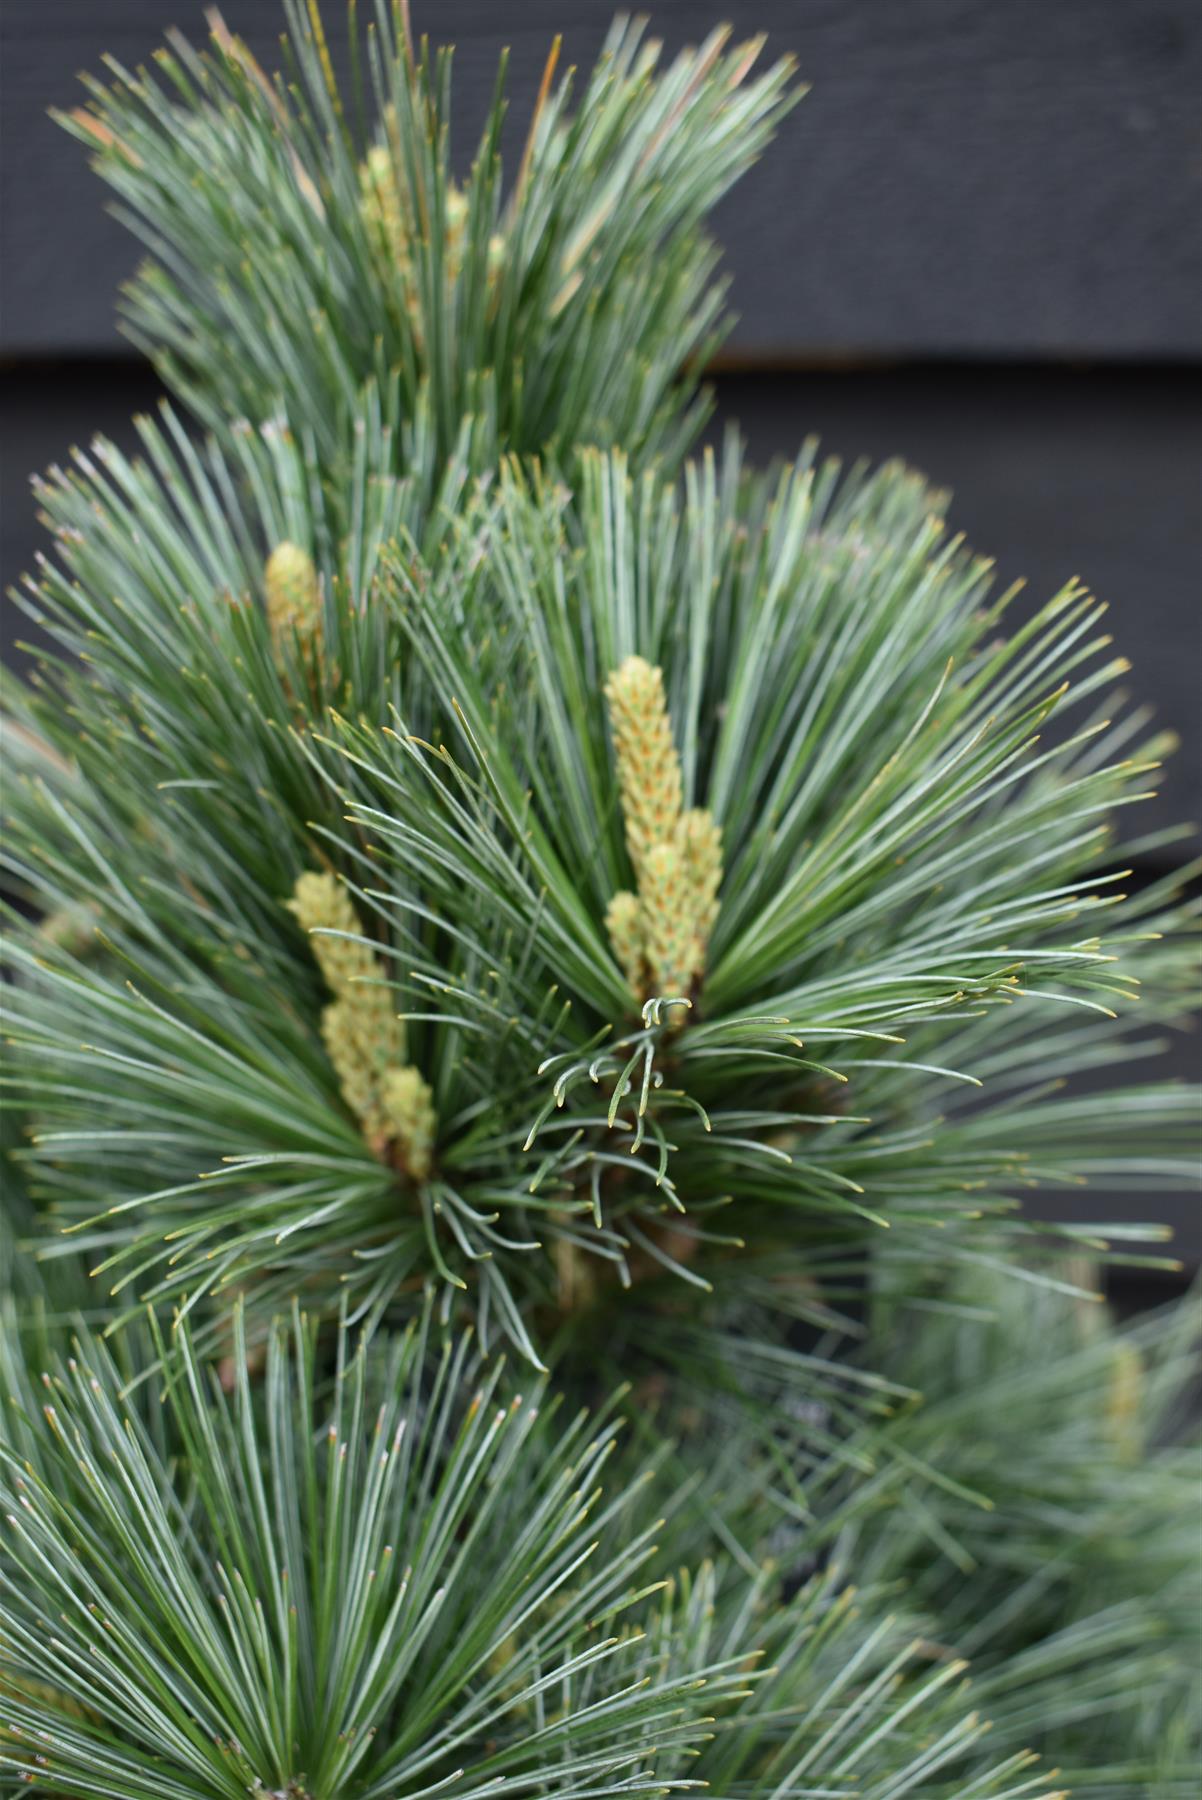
(942, 911)
(411, 1581)
(469, 863)
(1076, 1590)
(392, 1589)
(575, 305)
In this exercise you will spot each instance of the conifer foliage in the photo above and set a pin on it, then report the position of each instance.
(541, 964)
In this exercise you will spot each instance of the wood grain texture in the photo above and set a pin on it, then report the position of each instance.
(964, 179)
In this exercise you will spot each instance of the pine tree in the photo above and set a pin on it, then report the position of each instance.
(541, 964)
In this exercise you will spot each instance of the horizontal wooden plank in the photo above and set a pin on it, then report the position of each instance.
(964, 178)
(1056, 472)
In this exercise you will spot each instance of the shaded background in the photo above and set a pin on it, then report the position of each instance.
(977, 244)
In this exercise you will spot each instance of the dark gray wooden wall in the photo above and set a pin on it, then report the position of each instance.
(977, 243)
(965, 178)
